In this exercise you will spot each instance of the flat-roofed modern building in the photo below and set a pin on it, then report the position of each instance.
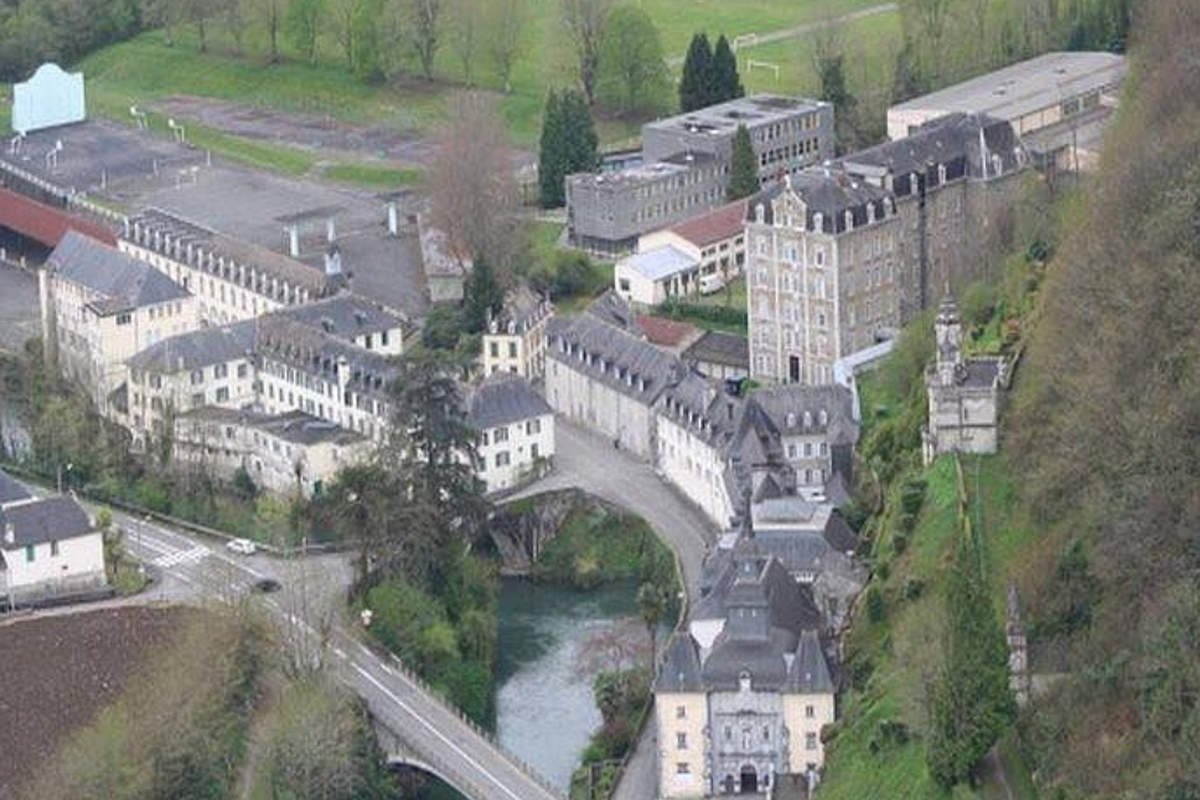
(685, 167)
(656, 275)
(1057, 103)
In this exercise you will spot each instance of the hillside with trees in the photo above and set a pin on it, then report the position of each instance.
(1105, 430)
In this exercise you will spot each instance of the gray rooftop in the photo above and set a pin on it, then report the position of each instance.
(346, 316)
(198, 349)
(613, 356)
(125, 282)
(681, 667)
(953, 140)
(294, 426)
(503, 398)
(824, 191)
(724, 118)
(10, 490)
(651, 172)
(48, 520)
(809, 673)
(1016, 90)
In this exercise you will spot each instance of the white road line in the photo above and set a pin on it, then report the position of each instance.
(434, 730)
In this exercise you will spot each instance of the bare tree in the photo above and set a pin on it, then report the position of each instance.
(474, 197)
(463, 28)
(929, 18)
(341, 25)
(422, 24)
(270, 15)
(504, 22)
(584, 20)
(308, 621)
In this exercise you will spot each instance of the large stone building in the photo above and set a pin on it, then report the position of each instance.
(840, 257)
(601, 373)
(964, 393)
(99, 307)
(743, 695)
(821, 274)
(685, 167)
(1058, 103)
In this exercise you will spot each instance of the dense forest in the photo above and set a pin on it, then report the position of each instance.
(1105, 429)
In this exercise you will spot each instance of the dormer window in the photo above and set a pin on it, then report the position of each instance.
(744, 680)
(791, 420)
(807, 419)
(822, 417)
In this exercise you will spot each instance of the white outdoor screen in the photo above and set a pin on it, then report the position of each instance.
(51, 97)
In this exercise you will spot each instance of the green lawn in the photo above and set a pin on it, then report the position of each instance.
(372, 176)
(733, 295)
(904, 647)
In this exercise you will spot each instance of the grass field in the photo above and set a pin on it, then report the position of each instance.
(146, 68)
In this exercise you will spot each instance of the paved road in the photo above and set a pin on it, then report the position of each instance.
(589, 462)
(808, 27)
(191, 569)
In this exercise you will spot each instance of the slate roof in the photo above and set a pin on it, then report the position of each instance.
(809, 673)
(10, 490)
(659, 263)
(785, 406)
(503, 398)
(46, 520)
(522, 308)
(681, 667)
(125, 282)
(952, 140)
(314, 351)
(346, 316)
(717, 225)
(825, 191)
(293, 426)
(715, 347)
(613, 356)
(197, 349)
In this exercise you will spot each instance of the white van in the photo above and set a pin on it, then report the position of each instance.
(712, 282)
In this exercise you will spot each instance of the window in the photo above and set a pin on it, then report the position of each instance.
(533, 426)
(494, 349)
(220, 370)
(501, 435)
(766, 733)
(512, 349)
(197, 399)
(624, 284)
(810, 741)
(502, 458)
(810, 712)
(223, 394)
(680, 712)
(533, 451)
(53, 548)
(29, 553)
(123, 319)
(728, 733)
(241, 370)
(197, 376)
(682, 768)
(681, 741)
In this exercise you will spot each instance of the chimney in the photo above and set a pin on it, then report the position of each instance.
(333, 261)
(10, 536)
(330, 231)
(293, 234)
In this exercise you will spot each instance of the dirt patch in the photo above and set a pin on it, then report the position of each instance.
(323, 133)
(60, 670)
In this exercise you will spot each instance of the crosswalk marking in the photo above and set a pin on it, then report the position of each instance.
(180, 557)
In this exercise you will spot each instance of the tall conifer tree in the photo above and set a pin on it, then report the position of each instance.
(726, 82)
(696, 83)
(551, 154)
(578, 132)
(743, 168)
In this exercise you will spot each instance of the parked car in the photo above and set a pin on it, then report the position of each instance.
(243, 547)
(267, 585)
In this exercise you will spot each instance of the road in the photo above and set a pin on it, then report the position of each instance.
(586, 461)
(191, 569)
(808, 27)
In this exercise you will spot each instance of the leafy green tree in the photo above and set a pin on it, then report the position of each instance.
(443, 327)
(695, 84)
(367, 45)
(828, 62)
(726, 83)
(482, 296)
(302, 23)
(632, 75)
(653, 599)
(972, 702)
(743, 167)
(552, 155)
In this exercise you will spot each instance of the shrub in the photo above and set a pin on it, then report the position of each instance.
(899, 542)
(913, 588)
(875, 604)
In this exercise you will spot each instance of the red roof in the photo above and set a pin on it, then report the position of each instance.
(46, 224)
(723, 222)
(665, 332)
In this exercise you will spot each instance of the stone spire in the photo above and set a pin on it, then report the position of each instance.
(948, 331)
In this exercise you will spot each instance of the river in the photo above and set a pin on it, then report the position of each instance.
(545, 712)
